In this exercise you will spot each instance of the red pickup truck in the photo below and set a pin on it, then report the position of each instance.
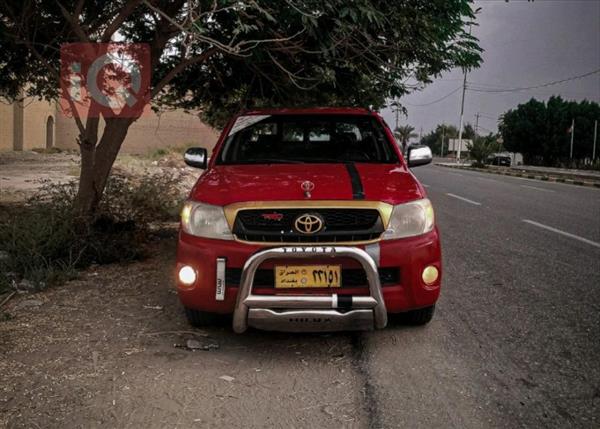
(308, 220)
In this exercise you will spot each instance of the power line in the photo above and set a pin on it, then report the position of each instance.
(556, 82)
(485, 129)
(570, 93)
(435, 101)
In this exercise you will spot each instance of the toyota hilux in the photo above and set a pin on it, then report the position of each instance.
(308, 220)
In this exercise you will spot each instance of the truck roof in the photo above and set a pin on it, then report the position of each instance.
(310, 111)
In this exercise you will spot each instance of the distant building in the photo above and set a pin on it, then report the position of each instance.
(35, 124)
(453, 146)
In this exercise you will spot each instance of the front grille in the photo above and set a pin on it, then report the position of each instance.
(277, 225)
(351, 277)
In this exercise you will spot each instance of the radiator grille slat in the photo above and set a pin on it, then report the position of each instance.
(277, 225)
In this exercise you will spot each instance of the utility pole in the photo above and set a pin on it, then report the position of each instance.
(462, 111)
(397, 109)
(595, 138)
(477, 123)
(420, 134)
(444, 136)
(572, 133)
(462, 103)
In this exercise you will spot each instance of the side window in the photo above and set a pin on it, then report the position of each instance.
(319, 133)
(292, 132)
(350, 129)
(269, 128)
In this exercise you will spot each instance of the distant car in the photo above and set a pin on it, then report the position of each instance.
(499, 160)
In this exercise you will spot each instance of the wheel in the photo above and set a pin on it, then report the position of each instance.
(422, 316)
(199, 318)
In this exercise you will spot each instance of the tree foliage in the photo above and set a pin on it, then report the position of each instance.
(481, 147)
(220, 56)
(404, 133)
(469, 132)
(540, 130)
(231, 54)
(433, 139)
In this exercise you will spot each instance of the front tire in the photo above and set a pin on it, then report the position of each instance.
(199, 318)
(419, 317)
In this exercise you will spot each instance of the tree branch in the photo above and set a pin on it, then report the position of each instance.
(179, 67)
(113, 26)
(73, 21)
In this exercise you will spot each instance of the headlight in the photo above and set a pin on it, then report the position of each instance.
(410, 219)
(205, 220)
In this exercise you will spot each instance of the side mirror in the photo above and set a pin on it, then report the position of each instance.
(419, 155)
(196, 157)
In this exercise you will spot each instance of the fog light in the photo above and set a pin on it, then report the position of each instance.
(187, 275)
(430, 275)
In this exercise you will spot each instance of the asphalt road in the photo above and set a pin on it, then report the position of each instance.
(516, 338)
(515, 341)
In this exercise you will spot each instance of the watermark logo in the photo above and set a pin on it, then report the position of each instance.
(105, 79)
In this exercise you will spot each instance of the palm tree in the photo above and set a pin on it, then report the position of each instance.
(403, 134)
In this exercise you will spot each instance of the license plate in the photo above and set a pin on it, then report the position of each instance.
(307, 276)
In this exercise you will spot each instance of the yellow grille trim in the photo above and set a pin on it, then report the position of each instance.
(384, 209)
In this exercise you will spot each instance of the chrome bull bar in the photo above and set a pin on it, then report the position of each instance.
(309, 313)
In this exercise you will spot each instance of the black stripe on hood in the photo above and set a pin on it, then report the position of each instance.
(358, 192)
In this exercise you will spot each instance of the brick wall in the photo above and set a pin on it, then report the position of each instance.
(35, 120)
(150, 132)
(6, 126)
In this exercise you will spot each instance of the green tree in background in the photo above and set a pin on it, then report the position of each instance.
(468, 132)
(541, 131)
(404, 133)
(433, 139)
(482, 147)
(223, 56)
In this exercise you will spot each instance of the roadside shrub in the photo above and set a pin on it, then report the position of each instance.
(481, 148)
(171, 150)
(158, 153)
(44, 243)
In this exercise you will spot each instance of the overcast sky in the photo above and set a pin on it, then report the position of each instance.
(525, 44)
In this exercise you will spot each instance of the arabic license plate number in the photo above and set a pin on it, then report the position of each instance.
(307, 276)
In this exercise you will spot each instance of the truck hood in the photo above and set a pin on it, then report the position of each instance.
(227, 184)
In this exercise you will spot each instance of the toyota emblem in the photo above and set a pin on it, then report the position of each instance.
(309, 223)
(307, 186)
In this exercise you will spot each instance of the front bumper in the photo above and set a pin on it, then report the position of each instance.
(410, 256)
(309, 312)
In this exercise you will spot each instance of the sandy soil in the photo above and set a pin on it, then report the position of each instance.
(110, 349)
(21, 173)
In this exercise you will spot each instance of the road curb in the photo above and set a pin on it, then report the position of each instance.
(544, 178)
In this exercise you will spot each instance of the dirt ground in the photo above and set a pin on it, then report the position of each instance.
(111, 349)
(21, 173)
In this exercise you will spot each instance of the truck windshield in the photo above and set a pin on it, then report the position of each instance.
(306, 139)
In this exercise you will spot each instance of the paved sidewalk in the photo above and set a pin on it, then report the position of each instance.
(537, 174)
(591, 174)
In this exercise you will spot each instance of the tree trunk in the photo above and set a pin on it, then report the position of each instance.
(97, 161)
